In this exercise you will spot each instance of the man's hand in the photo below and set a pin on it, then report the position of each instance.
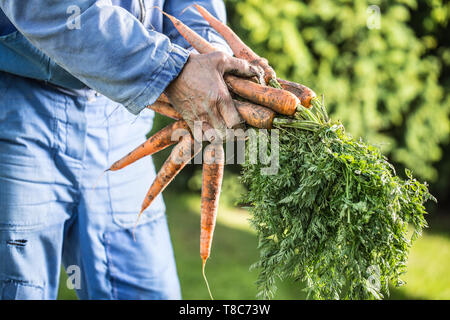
(199, 93)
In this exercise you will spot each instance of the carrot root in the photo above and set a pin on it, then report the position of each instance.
(239, 48)
(159, 141)
(165, 109)
(163, 98)
(279, 100)
(213, 166)
(194, 39)
(285, 103)
(303, 93)
(255, 115)
(181, 154)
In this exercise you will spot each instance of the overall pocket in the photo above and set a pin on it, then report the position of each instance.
(112, 132)
(20, 290)
(143, 268)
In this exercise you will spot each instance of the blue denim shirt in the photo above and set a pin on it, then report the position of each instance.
(124, 49)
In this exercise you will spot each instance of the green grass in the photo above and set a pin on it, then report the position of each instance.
(235, 249)
(428, 269)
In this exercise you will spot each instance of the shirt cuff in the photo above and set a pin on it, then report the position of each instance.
(169, 70)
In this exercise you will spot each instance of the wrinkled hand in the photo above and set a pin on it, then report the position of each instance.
(199, 93)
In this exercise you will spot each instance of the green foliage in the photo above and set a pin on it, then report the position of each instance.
(335, 215)
(383, 84)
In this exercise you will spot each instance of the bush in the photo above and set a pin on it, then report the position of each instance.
(382, 83)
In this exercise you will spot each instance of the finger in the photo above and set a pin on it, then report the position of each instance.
(208, 133)
(240, 67)
(190, 113)
(216, 123)
(187, 115)
(229, 113)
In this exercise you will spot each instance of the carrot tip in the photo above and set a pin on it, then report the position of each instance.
(164, 13)
(182, 11)
(136, 223)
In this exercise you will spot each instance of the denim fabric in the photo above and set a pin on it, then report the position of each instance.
(124, 49)
(54, 207)
(62, 123)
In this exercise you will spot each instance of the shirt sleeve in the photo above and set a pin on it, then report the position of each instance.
(104, 46)
(186, 12)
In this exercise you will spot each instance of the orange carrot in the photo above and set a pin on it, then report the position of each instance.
(213, 166)
(159, 141)
(194, 39)
(165, 109)
(279, 100)
(239, 48)
(253, 114)
(181, 154)
(302, 92)
(163, 98)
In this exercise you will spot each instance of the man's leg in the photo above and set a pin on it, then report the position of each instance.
(100, 241)
(34, 197)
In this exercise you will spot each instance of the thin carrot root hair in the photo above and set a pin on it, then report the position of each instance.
(204, 277)
(98, 179)
(136, 224)
(182, 11)
(109, 116)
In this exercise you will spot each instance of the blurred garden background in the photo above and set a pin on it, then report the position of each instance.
(383, 67)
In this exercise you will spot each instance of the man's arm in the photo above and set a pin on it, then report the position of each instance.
(111, 51)
(114, 54)
(186, 12)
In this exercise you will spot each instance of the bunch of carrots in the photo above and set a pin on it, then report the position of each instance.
(258, 102)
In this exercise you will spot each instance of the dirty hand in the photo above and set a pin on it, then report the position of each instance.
(199, 93)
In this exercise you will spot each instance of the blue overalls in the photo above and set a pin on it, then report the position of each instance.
(72, 101)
